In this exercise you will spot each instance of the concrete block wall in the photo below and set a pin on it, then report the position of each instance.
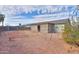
(44, 28)
(48, 28)
(34, 28)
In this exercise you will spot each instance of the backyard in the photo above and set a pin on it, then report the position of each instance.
(29, 42)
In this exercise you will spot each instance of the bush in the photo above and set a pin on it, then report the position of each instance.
(71, 34)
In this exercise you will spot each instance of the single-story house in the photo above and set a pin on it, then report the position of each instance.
(49, 26)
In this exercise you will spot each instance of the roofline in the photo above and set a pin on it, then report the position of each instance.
(48, 22)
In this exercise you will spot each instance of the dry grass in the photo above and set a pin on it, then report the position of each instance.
(32, 42)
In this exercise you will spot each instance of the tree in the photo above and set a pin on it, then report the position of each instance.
(74, 17)
(19, 24)
(71, 32)
(2, 16)
(2, 20)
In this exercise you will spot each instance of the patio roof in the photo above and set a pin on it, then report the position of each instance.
(62, 21)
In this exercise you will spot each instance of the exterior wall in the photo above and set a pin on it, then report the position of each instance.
(53, 28)
(59, 27)
(34, 28)
(48, 28)
(44, 28)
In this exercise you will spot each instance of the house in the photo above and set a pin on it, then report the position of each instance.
(49, 26)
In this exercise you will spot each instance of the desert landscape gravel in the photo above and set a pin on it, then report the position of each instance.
(29, 42)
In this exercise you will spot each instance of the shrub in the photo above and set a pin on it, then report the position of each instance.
(71, 34)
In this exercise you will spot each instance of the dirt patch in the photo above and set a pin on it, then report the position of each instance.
(33, 42)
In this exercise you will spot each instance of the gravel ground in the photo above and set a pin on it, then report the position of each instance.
(29, 42)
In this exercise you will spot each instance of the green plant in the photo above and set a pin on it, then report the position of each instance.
(71, 34)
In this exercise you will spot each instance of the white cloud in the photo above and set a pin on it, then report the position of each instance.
(11, 10)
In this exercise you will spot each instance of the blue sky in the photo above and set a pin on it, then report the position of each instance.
(24, 14)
